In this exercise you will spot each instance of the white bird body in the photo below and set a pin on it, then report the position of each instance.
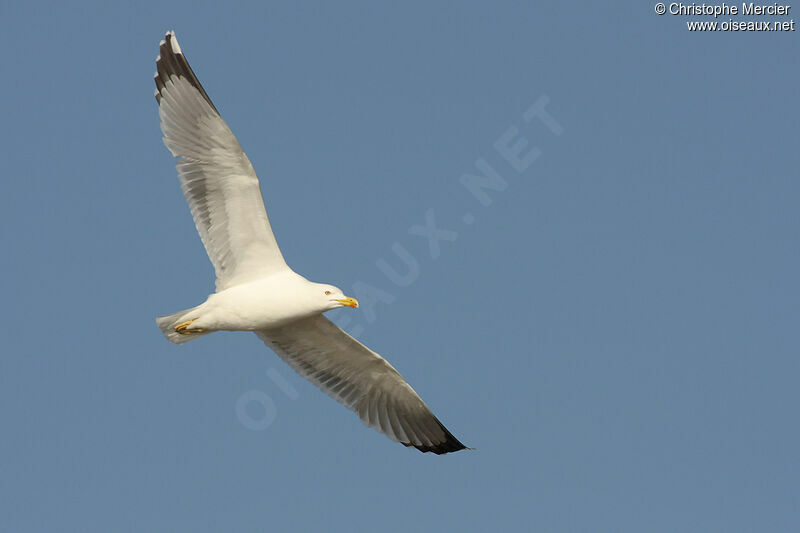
(244, 308)
(256, 290)
(268, 302)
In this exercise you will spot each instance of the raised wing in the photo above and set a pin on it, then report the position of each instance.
(361, 380)
(216, 177)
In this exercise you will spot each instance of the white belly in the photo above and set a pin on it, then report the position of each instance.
(260, 304)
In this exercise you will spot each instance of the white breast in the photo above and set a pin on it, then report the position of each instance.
(265, 303)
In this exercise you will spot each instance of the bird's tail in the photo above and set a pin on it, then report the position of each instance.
(170, 326)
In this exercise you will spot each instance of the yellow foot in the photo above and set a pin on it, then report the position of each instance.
(182, 328)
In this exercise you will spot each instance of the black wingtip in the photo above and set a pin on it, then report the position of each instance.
(448, 445)
(171, 62)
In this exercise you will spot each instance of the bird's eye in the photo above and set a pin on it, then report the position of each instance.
(328, 293)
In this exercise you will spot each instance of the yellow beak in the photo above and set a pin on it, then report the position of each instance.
(349, 302)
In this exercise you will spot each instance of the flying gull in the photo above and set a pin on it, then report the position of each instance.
(255, 288)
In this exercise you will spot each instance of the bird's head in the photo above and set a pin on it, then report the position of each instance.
(333, 297)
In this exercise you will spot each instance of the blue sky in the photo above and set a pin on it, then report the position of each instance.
(615, 331)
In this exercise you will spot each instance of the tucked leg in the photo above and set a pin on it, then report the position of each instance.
(183, 328)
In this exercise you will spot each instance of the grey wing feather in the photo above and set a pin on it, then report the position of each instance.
(216, 176)
(361, 380)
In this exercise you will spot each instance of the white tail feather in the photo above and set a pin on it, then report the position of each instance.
(167, 325)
